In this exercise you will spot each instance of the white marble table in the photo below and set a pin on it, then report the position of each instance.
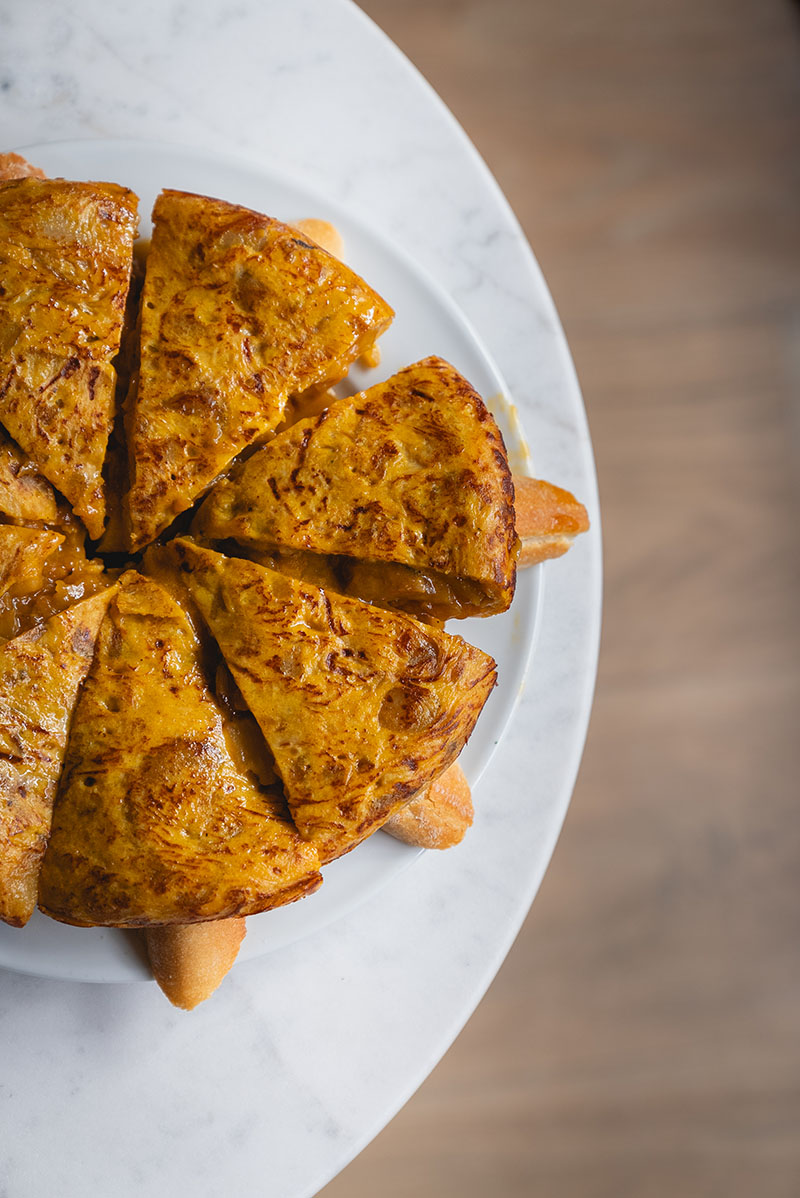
(303, 1056)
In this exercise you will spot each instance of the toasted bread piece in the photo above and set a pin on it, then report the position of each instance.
(361, 707)
(238, 313)
(154, 823)
(25, 495)
(548, 519)
(40, 673)
(439, 816)
(409, 481)
(324, 233)
(190, 960)
(14, 166)
(65, 262)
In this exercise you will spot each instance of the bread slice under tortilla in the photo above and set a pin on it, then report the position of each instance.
(408, 480)
(40, 674)
(65, 262)
(154, 823)
(238, 313)
(360, 707)
(548, 519)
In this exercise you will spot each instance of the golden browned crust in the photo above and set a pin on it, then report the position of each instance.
(65, 262)
(25, 495)
(238, 313)
(409, 481)
(190, 960)
(361, 707)
(548, 519)
(40, 673)
(439, 817)
(154, 823)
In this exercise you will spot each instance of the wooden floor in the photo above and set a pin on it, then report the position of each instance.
(643, 1037)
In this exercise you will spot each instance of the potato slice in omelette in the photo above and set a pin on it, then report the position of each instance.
(239, 312)
(40, 673)
(408, 481)
(361, 707)
(65, 263)
(154, 823)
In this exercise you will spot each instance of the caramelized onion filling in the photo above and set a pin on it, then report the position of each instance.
(426, 594)
(422, 593)
(66, 576)
(243, 736)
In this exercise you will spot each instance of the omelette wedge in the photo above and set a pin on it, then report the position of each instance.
(65, 263)
(238, 313)
(407, 481)
(361, 707)
(154, 823)
(40, 673)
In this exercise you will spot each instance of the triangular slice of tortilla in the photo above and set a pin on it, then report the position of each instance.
(24, 493)
(65, 263)
(40, 673)
(239, 312)
(361, 707)
(408, 480)
(154, 823)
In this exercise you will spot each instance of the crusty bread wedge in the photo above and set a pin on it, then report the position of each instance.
(190, 960)
(324, 233)
(14, 166)
(439, 817)
(548, 519)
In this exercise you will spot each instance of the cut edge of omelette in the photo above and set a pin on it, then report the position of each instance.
(405, 487)
(239, 312)
(41, 672)
(361, 707)
(154, 823)
(66, 250)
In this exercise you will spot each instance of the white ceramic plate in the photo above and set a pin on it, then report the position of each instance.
(426, 322)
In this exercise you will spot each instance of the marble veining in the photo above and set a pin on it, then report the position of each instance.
(265, 1090)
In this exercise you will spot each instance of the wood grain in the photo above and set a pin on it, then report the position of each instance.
(643, 1037)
